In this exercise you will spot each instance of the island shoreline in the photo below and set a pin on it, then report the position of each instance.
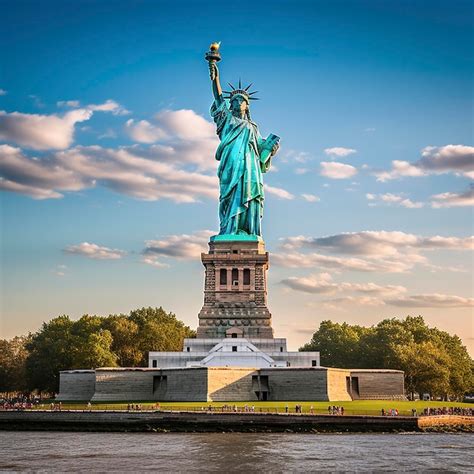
(212, 422)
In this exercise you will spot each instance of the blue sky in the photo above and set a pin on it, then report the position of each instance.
(108, 175)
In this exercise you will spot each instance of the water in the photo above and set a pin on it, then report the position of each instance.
(234, 452)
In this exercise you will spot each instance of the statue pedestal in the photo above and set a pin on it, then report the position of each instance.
(235, 290)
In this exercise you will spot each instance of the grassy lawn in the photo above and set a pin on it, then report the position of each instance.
(358, 407)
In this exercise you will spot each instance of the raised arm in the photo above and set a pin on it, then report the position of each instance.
(216, 84)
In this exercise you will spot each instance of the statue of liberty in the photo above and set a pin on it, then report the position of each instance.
(243, 157)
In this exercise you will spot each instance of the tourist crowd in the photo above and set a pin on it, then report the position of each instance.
(19, 403)
(448, 411)
(28, 403)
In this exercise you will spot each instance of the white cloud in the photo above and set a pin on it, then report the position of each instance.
(458, 159)
(411, 204)
(150, 173)
(300, 170)
(183, 136)
(377, 243)
(37, 101)
(399, 169)
(297, 156)
(3, 92)
(369, 129)
(371, 294)
(181, 247)
(390, 197)
(295, 259)
(94, 251)
(45, 132)
(109, 133)
(324, 284)
(336, 170)
(60, 270)
(394, 199)
(144, 132)
(453, 199)
(339, 151)
(185, 124)
(41, 132)
(154, 262)
(278, 192)
(336, 303)
(181, 124)
(37, 178)
(68, 103)
(449, 158)
(321, 283)
(310, 197)
(376, 251)
(434, 300)
(32, 191)
(109, 106)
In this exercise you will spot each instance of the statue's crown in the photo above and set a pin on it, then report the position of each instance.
(244, 92)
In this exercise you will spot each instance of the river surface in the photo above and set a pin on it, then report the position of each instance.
(234, 452)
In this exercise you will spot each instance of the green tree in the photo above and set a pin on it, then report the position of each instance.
(63, 344)
(124, 340)
(158, 331)
(49, 352)
(95, 351)
(338, 344)
(459, 364)
(426, 367)
(379, 345)
(91, 345)
(94, 341)
(13, 354)
(433, 361)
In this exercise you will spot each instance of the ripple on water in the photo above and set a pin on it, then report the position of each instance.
(233, 452)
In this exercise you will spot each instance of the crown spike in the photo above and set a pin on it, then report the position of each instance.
(231, 86)
(249, 86)
(252, 93)
(240, 84)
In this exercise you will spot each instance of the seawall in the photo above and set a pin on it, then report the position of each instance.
(162, 421)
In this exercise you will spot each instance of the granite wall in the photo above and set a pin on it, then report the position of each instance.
(229, 384)
(76, 385)
(202, 384)
(178, 385)
(337, 385)
(379, 384)
(296, 384)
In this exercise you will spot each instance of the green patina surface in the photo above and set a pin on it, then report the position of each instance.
(243, 155)
(236, 238)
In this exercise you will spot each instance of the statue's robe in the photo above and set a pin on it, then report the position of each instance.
(240, 172)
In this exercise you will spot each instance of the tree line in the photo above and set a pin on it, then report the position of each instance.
(33, 362)
(434, 362)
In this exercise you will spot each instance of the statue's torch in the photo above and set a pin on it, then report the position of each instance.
(213, 56)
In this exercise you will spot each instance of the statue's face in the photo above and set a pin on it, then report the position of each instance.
(238, 106)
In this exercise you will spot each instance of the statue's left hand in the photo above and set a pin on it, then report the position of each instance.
(275, 148)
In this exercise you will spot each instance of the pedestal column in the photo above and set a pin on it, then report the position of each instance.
(240, 307)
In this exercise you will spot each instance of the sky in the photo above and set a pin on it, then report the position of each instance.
(108, 179)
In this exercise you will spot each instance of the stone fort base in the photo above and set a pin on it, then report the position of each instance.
(221, 384)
